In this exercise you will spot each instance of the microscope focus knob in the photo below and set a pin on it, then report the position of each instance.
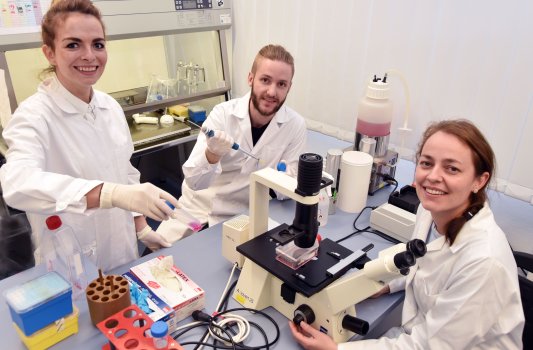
(417, 247)
(303, 313)
(355, 325)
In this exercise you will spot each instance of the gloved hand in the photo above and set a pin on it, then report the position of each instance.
(152, 239)
(220, 143)
(142, 198)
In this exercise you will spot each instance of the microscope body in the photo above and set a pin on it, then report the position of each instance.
(331, 309)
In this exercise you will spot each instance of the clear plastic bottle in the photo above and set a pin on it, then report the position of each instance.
(61, 251)
(374, 114)
(159, 332)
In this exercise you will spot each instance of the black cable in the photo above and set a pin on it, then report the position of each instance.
(377, 233)
(235, 346)
(358, 215)
(228, 339)
(352, 234)
(388, 179)
(225, 300)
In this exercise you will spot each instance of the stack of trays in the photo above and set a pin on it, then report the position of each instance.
(42, 311)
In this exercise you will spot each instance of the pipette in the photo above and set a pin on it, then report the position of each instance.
(235, 146)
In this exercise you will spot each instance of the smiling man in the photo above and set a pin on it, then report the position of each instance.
(216, 185)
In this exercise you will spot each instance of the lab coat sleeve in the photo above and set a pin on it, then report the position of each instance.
(26, 186)
(293, 151)
(397, 284)
(462, 315)
(197, 171)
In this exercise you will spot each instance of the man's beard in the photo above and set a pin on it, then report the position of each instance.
(255, 102)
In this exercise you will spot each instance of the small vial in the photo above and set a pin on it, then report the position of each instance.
(159, 332)
(194, 224)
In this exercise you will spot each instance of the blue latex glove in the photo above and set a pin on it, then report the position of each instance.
(139, 296)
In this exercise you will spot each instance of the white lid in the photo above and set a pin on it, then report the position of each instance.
(356, 158)
(378, 90)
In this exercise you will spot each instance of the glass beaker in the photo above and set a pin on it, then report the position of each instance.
(195, 75)
(154, 89)
(181, 71)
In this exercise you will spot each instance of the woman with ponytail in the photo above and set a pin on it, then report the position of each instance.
(463, 294)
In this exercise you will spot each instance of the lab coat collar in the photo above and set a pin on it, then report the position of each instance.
(65, 100)
(241, 111)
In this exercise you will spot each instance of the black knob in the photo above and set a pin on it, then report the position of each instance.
(404, 272)
(303, 313)
(417, 247)
(404, 259)
(355, 325)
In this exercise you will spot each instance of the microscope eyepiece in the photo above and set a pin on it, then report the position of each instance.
(417, 247)
(404, 260)
(309, 174)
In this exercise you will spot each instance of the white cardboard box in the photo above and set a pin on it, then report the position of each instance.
(168, 305)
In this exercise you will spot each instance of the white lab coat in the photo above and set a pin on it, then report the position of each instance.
(216, 192)
(58, 151)
(461, 297)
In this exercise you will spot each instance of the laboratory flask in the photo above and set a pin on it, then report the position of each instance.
(374, 116)
(61, 252)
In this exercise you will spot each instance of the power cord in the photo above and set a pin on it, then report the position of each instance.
(226, 326)
(390, 180)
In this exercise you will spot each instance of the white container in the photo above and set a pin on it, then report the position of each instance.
(354, 181)
(374, 113)
(61, 252)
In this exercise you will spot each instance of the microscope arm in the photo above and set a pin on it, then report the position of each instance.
(260, 183)
(357, 286)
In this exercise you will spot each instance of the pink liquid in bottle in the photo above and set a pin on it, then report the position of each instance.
(372, 129)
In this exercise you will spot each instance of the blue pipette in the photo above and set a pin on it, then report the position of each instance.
(235, 146)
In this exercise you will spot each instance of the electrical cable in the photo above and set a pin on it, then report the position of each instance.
(237, 346)
(224, 321)
(358, 215)
(224, 295)
(367, 229)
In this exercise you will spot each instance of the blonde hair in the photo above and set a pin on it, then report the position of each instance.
(274, 53)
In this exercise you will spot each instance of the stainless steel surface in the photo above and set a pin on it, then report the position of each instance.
(382, 143)
(382, 166)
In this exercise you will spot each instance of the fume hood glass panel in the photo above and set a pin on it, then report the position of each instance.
(141, 69)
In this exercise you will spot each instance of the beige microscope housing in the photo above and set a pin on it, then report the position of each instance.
(259, 289)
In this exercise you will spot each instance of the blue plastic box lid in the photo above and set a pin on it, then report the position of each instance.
(37, 303)
(36, 292)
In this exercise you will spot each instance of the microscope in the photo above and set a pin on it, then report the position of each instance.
(304, 280)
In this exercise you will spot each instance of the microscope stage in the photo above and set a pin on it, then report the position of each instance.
(308, 279)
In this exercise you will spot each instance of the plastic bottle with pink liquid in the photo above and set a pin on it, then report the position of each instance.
(374, 113)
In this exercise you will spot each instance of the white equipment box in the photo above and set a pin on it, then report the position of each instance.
(393, 221)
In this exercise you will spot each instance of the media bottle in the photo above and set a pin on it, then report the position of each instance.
(374, 116)
(61, 251)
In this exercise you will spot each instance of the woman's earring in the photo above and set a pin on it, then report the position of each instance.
(475, 190)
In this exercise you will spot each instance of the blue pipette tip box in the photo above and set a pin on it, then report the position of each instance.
(197, 113)
(35, 304)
